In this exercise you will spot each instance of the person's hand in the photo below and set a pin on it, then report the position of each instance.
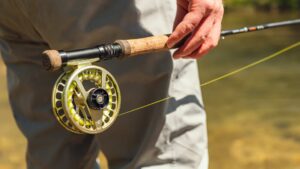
(201, 19)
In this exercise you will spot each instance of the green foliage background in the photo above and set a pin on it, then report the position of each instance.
(264, 4)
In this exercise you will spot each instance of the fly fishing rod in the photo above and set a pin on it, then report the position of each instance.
(126, 48)
(86, 98)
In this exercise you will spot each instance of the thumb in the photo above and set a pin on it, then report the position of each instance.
(182, 10)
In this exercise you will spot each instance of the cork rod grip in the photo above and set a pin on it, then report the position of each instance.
(51, 60)
(134, 47)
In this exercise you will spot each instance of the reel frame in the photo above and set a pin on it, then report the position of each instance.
(82, 110)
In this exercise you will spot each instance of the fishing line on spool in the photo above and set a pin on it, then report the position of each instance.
(269, 57)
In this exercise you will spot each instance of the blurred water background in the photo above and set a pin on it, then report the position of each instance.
(253, 117)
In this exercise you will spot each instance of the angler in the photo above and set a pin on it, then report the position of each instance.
(86, 98)
(166, 135)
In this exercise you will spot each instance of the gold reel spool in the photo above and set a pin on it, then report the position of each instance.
(86, 99)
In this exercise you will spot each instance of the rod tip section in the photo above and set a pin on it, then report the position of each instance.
(51, 60)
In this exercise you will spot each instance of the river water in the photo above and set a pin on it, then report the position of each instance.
(253, 117)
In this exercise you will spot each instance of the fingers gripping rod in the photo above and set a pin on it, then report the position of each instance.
(54, 59)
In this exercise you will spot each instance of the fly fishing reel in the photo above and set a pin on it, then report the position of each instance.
(86, 98)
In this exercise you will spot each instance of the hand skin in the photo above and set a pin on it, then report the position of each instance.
(202, 20)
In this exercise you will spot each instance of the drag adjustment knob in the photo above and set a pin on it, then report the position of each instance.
(98, 99)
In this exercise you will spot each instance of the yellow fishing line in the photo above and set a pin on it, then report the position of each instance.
(147, 105)
(223, 76)
(252, 64)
